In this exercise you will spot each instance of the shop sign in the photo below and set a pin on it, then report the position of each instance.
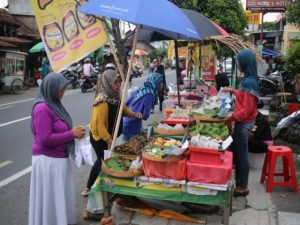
(208, 62)
(68, 35)
(267, 5)
(253, 18)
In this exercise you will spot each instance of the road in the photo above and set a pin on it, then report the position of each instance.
(15, 150)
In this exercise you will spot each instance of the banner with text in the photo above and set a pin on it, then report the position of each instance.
(267, 5)
(253, 18)
(68, 35)
(208, 62)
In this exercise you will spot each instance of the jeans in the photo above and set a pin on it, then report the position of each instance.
(240, 152)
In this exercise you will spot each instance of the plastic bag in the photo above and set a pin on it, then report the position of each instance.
(77, 156)
(107, 154)
(83, 147)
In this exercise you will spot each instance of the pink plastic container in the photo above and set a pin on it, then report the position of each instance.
(215, 174)
(205, 156)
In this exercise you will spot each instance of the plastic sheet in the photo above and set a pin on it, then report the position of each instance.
(172, 170)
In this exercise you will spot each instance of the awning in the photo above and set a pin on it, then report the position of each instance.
(268, 52)
(7, 44)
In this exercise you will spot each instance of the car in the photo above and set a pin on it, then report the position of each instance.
(228, 65)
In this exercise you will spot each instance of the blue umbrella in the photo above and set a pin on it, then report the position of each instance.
(159, 14)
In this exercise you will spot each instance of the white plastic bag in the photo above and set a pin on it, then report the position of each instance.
(107, 154)
(78, 156)
(83, 147)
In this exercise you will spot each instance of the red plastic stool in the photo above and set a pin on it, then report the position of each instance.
(288, 173)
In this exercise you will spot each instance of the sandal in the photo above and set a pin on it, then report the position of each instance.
(240, 192)
(85, 192)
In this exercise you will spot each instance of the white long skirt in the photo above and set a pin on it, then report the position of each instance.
(52, 194)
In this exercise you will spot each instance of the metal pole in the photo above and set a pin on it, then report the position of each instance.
(262, 27)
(177, 71)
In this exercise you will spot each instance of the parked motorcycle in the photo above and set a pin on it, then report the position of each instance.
(73, 74)
(273, 83)
(87, 82)
(136, 72)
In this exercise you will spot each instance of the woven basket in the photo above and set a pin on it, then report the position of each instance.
(170, 158)
(168, 132)
(125, 174)
(206, 118)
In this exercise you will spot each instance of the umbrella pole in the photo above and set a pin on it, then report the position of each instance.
(125, 90)
(113, 51)
(177, 71)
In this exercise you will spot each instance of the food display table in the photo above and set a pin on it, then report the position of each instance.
(112, 185)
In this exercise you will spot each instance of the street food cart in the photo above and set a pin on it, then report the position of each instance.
(12, 70)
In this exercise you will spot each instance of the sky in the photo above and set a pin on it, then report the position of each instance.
(267, 17)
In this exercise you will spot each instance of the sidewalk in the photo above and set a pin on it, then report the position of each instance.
(259, 208)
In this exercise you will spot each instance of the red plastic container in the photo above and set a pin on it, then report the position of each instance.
(293, 107)
(215, 174)
(172, 170)
(205, 156)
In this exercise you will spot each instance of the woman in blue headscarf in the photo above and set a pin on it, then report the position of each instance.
(142, 100)
(244, 117)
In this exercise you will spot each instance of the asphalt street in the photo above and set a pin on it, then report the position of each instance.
(15, 150)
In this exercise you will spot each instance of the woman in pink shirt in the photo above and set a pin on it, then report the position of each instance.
(52, 195)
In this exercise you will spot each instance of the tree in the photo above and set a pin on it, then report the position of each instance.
(292, 59)
(229, 14)
(269, 26)
(113, 27)
(294, 12)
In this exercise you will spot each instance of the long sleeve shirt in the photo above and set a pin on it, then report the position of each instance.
(100, 121)
(144, 106)
(50, 133)
(245, 107)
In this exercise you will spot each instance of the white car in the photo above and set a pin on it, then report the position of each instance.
(228, 65)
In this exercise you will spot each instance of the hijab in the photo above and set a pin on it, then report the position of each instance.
(105, 91)
(151, 86)
(246, 63)
(51, 85)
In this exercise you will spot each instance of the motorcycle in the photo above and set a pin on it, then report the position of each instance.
(73, 74)
(136, 72)
(87, 82)
(271, 84)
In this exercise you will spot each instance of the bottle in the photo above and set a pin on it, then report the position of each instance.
(84, 20)
(70, 26)
(43, 3)
(53, 36)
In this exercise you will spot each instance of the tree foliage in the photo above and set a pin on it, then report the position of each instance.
(294, 12)
(229, 14)
(292, 59)
(269, 26)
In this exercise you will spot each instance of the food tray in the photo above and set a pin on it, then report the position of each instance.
(174, 122)
(170, 158)
(168, 132)
(125, 174)
(207, 118)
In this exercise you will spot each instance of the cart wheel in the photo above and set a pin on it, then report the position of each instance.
(26, 84)
(17, 86)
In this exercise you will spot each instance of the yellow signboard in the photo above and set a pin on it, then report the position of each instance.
(68, 34)
(182, 51)
(253, 18)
